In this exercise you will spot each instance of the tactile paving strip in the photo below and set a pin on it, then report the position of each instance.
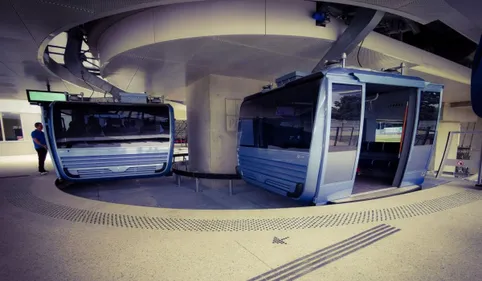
(25, 200)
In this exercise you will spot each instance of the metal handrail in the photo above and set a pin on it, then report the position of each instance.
(446, 152)
(198, 175)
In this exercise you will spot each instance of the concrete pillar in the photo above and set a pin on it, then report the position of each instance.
(212, 112)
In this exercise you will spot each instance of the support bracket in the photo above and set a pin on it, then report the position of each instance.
(73, 63)
(362, 24)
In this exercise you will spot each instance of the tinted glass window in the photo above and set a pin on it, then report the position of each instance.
(428, 117)
(76, 122)
(246, 132)
(345, 117)
(12, 126)
(281, 119)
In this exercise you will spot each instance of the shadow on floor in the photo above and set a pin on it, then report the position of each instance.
(164, 193)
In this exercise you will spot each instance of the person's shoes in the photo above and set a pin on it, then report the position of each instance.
(44, 173)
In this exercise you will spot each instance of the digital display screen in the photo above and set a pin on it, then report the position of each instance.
(44, 96)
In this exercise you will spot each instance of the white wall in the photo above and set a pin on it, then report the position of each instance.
(29, 114)
(180, 112)
(18, 106)
(458, 114)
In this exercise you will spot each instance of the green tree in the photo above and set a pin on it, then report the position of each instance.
(347, 108)
(429, 106)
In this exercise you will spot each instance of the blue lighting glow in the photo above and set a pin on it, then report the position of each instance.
(319, 16)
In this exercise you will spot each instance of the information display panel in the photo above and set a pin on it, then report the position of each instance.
(35, 96)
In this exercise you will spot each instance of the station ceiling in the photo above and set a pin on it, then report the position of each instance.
(26, 26)
(167, 67)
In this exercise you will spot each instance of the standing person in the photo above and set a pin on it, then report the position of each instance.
(40, 144)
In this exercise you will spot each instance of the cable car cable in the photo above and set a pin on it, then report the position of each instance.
(358, 53)
(82, 75)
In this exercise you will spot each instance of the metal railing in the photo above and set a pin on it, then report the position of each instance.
(340, 138)
(465, 160)
(198, 175)
(183, 156)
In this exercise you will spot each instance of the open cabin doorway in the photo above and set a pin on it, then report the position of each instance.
(388, 123)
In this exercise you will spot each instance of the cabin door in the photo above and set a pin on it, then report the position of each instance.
(345, 115)
(423, 138)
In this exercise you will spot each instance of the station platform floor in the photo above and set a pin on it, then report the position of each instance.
(47, 234)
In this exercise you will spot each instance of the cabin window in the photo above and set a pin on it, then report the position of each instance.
(282, 119)
(106, 123)
(246, 132)
(345, 117)
(389, 131)
(428, 118)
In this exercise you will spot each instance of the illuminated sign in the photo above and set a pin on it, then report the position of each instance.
(35, 96)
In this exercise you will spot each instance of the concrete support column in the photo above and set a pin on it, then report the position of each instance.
(212, 113)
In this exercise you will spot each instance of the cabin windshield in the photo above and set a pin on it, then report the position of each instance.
(281, 119)
(92, 125)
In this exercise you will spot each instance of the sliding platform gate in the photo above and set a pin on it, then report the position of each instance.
(462, 158)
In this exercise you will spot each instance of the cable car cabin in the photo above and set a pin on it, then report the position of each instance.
(93, 141)
(346, 131)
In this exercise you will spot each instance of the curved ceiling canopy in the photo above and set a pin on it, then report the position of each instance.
(273, 18)
(31, 24)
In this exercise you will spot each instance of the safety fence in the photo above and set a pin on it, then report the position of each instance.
(462, 160)
(180, 134)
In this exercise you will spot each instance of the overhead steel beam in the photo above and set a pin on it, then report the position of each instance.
(73, 62)
(362, 24)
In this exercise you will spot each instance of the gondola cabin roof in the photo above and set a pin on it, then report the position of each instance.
(362, 75)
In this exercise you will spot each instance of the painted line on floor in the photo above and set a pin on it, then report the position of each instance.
(320, 258)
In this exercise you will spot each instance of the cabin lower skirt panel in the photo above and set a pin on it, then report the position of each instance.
(275, 170)
(413, 178)
(114, 166)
